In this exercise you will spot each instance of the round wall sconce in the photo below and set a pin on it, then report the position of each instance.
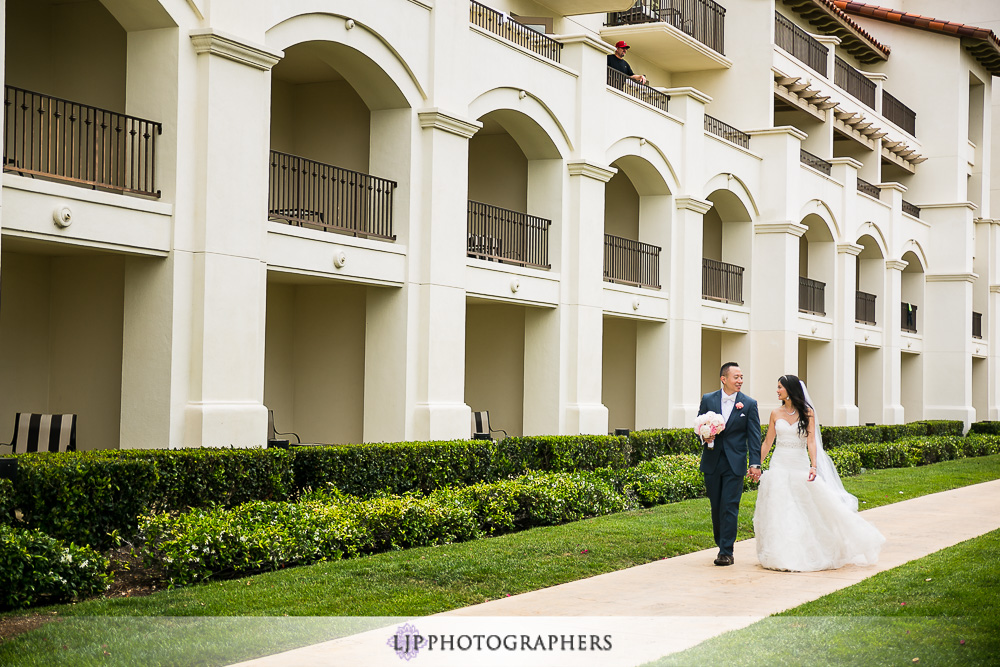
(339, 259)
(62, 216)
(515, 284)
(349, 23)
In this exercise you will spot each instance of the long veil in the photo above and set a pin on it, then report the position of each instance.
(825, 469)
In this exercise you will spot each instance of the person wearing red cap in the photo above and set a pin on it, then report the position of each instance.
(616, 61)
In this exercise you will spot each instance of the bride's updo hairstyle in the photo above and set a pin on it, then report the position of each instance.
(794, 388)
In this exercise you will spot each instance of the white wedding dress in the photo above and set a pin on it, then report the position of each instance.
(803, 526)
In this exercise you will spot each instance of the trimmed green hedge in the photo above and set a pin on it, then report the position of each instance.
(35, 567)
(7, 503)
(985, 428)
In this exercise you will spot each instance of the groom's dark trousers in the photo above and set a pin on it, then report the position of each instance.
(725, 465)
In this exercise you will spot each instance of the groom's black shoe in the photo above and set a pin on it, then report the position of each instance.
(724, 559)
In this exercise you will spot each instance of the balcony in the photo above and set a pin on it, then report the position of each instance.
(817, 163)
(630, 262)
(812, 296)
(898, 113)
(800, 44)
(503, 26)
(57, 139)
(500, 235)
(869, 189)
(727, 132)
(639, 91)
(577, 7)
(312, 194)
(864, 308)
(677, 35)
(908, 319)
(977, 325)
(854, 82)
(721, 281)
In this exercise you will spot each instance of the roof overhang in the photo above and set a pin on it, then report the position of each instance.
(830, 20)
(575, 7)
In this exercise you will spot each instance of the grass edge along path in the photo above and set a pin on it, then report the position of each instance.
(433, 579)
(942, 609)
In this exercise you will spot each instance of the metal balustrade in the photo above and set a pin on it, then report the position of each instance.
(727, 132)
(704, 20)
(812, 296)
(977, 325)
(800, 44)
(721, 281)
(869, 189)
(864, 307)
(899, 113)
(631, 262)
(639, 91)
(504, 26)
(308, 193)
(501, 235)
(54, 138)
(911, 209)
(817, 163)
(854, 82)
(908, 317)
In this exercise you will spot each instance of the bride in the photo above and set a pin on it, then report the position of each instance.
(804, 519)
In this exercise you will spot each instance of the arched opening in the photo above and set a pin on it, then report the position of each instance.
(911, 369)
(869, 282)
(816, 265)
(340, 141)
(727, 237)
(338, 150)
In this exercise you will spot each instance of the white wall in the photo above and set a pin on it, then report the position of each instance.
(498, 172)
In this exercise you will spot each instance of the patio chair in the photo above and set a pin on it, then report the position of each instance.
(272, 436)
(481, 427)
(35, 432)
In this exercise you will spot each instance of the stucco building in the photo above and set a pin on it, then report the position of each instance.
(374, 217)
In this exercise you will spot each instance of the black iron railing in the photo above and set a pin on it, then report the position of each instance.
(812, 296)
(639, 91)
(704, 20)
(307, 193)
(869, 189)
(800, 44)
(630, 262)
(500, 24)
(911, 209)
(977, 325)
(864, 307)
(817, 163)
(500, 235)
(899, 113)
(50, 137)
(854, 82)
(728, 132)
(721, 281)
(908, 317)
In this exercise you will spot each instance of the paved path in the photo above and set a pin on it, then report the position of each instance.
(658, 608)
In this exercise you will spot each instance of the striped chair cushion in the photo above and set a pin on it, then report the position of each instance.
(44, 433)
(480, 422)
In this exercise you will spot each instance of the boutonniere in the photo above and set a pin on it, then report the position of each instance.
(739, 406)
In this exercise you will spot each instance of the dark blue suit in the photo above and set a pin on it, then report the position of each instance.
(725, 465)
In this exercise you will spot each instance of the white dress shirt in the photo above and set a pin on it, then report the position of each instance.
(728, 401)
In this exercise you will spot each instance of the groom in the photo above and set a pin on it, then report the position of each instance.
(725, 464)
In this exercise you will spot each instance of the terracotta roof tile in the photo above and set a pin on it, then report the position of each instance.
(916, 20)
(839, 11)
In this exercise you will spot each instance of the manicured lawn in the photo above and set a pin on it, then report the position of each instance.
(412, 582)
(943, 609)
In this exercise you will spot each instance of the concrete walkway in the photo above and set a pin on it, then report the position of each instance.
(651, 610)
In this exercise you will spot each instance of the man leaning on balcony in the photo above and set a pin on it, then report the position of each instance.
(616, 61)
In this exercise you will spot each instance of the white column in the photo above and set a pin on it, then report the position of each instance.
(892, 343)
(686, 251)
(581, 301)
(220, 249)
(436, 339)
(845, 403)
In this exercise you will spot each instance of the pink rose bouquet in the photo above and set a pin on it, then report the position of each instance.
(709, 424)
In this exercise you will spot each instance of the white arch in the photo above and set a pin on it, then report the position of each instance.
(364, 43)
(822, 210)
(872, 230)
(648, 152)
(532, 108)
(735, 185)
(914, 246)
